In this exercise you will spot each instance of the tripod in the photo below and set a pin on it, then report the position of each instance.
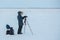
(28, 26)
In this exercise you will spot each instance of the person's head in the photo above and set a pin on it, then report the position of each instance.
(20, 12)
(7, 26)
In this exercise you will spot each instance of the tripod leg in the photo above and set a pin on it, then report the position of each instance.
(24, 28)
(29, 27)
(24, 24)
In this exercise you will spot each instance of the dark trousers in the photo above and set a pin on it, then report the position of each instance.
(20, 29)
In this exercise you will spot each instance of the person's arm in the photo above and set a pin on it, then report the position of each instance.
(24, 17)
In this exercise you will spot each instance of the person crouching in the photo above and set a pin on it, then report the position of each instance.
(10, 30)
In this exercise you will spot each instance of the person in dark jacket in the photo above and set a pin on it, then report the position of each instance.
(10, 30)
(20, 21)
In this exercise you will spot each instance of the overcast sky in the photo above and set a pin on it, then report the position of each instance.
(29, 3)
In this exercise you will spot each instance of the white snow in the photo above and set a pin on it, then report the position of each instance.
(45, 24)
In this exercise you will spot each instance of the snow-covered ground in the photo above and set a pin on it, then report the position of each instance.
(45, 24)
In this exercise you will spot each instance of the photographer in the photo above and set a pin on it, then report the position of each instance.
(20, 21)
